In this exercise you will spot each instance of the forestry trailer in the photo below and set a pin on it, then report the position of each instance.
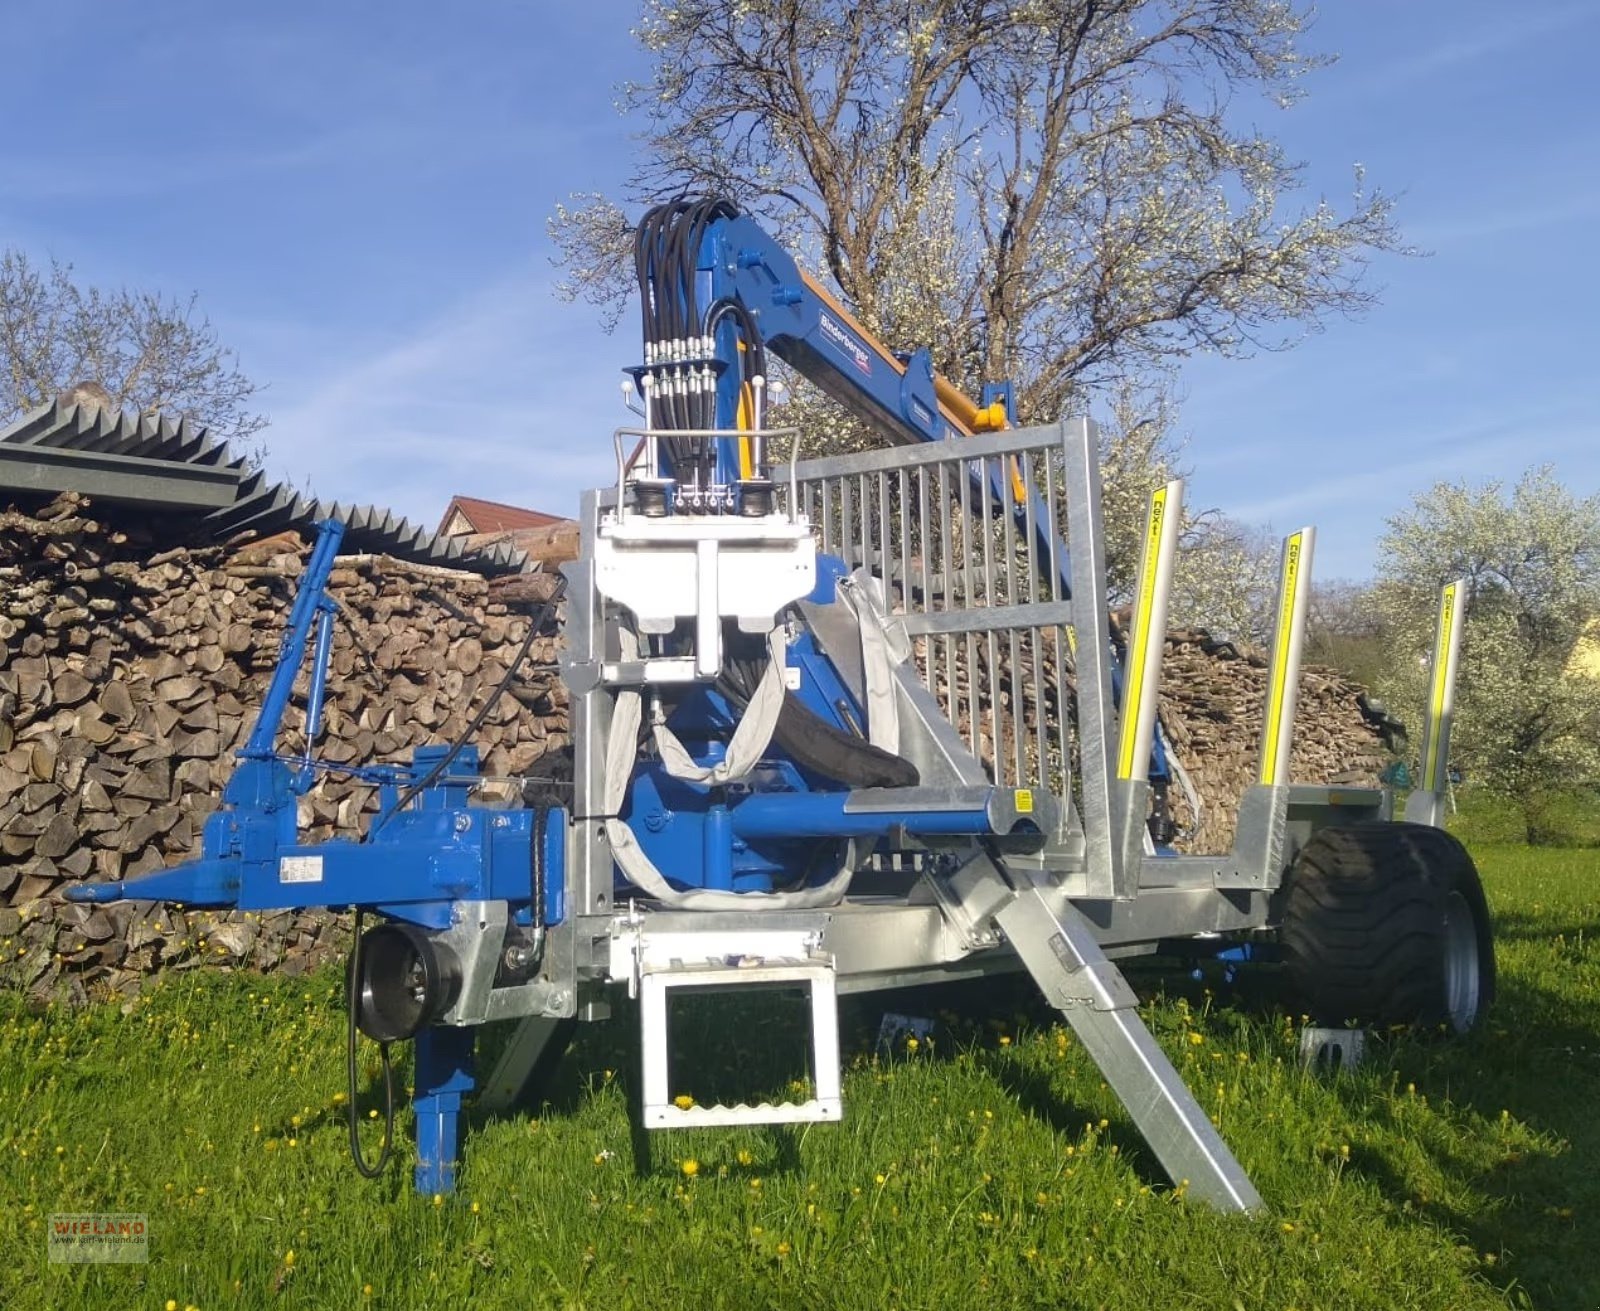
(839, 724)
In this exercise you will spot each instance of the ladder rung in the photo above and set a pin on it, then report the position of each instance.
(815, 1111)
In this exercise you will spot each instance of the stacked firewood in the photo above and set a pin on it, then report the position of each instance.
(130, 674)
(1213, 705)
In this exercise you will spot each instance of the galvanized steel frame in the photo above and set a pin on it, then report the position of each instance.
(993, 600)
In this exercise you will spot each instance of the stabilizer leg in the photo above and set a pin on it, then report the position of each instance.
(526, 1062)
(1066, 961)
(443, 1075)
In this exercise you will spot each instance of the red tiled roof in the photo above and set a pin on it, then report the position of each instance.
(493, 516)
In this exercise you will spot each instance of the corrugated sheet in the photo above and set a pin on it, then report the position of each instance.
(159, 446)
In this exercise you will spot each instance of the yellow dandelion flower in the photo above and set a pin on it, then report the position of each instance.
(683, 1101)
(879, 1179)
(1005, 1040)
(1195, 1039)
(744, 1157)
(438, 1199)
(784, 1249)
(691, 1167)
(288, 1257)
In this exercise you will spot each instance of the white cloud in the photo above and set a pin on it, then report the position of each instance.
(1505, 222)
(1482, 451)
(1471, 47)
(483, 401)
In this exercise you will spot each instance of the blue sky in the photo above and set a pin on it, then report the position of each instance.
(358, 192)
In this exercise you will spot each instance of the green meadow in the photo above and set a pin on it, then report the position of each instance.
(988, 1167)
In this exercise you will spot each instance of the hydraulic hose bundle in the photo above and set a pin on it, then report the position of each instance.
(681, 372)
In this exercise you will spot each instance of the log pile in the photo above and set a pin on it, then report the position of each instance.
(1213, 703)
(130, 672)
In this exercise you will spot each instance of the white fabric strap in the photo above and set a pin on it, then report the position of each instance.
(883, 710)
(621, 755)
(750, 738)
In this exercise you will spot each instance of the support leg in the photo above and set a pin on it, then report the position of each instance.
(1066, 961)
(527, 1061)
(443, 1075)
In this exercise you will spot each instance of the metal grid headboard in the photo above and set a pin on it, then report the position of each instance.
(969, 538)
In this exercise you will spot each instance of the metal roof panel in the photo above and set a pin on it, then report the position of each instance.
(148, 447)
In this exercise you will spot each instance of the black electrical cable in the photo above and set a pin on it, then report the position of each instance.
(353, 1008)
(541, 818)
(476, 723)
(641, 268)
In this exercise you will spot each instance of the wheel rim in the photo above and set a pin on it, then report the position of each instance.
(1461, 974)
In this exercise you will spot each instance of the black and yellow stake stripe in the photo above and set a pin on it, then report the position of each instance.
(1273, 742)
(1139, 637)
(1433, 759)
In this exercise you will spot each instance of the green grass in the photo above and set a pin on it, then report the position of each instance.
(1569, 818)
(993, 1170)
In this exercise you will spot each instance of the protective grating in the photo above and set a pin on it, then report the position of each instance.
(256, 504)
(973, 569)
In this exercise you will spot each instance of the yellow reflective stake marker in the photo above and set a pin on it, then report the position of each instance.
(1288, 628)
(1149, 614)
(1441, 686)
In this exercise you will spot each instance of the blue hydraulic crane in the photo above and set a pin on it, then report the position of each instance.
(718, 291)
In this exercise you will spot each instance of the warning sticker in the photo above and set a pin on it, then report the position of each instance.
(300, 869)
(1024, 801)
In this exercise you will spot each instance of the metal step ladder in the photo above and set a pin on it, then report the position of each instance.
(738, 958)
